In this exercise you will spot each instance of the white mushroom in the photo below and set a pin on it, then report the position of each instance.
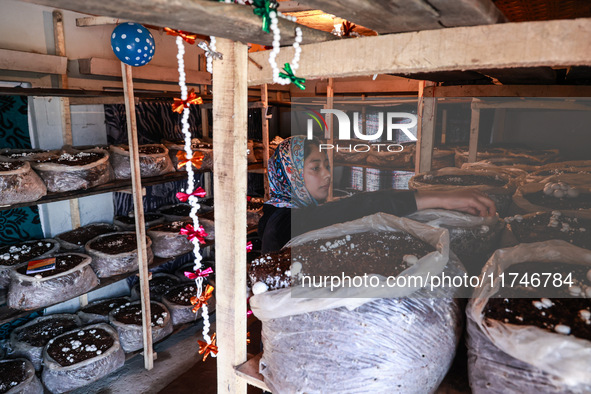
(259, 288)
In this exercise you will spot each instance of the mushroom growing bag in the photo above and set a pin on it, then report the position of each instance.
(506, 357)
(403, 343)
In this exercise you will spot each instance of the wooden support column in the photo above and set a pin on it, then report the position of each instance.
(425, 129)
(330, 131)
(230, 132)
(474, 130)
(499, 125)
(264, 109)
(60, 50)
(138, 209)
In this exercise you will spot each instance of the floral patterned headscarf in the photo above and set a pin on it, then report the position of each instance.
(286, 175)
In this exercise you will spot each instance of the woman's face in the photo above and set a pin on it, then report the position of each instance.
(317, 174)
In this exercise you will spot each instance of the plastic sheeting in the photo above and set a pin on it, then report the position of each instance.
(105, 228)
(22, 348)
(513, 358)
(472, 238)
(150, 164)
(92, 318)
(167, 244)
(579, 181)
(501, 195)
(60, 379)
(131, 335)
(106, 265)
(20, 185)
(27, 292)
(63, 178)
(184, 313)
(6, 269)
(368, 344)
(31, 384)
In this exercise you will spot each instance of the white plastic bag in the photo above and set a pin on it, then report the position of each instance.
(28, 292)
(168, 244)
(472, 238)
(87, 316)
(10, 261)
(30, 385)
(131, 335)
(150, 164)
(105, 264)
(63, 178)
(505, 357)
(20, 340)
(582, 182)
(19, 183)
(370, 344)
(501, 194)
(74, 240)
(59, 379)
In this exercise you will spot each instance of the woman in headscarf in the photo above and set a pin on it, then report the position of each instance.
(299, 181)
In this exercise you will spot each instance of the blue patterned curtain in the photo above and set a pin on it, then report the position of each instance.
(21, 224)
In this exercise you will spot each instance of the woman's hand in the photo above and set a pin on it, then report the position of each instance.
(468, 201)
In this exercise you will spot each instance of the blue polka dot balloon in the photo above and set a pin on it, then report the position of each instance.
(133, 44)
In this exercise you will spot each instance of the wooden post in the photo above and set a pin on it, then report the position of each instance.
(205, 124)
(230, 123)
(425, 129)
(474, 129)
(60, 50)
(499, 125)
(443, 126)
(264, 109)
(330, 136)
(138, 209)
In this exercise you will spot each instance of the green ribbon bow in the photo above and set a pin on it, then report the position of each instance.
(263, 8)
(288, 74)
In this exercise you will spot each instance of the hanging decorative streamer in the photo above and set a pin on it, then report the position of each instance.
(179, 105)
(195, 236)
(196, 160)
(183, 197)
(188, 37)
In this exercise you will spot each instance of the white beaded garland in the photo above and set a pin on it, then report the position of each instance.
(295, 63)
(193, 201)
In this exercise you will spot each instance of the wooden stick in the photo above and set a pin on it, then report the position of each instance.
(330, 131)
(425, 129)
(138, 209)
(265, 101)
(474, 130)
(230, 123)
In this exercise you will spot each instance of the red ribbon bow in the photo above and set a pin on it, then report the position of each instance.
(205, 348)
(249, 246)
(191, 233)
(199, 192)
(188, 37)
(198, 302)
(199, 273)
(196, 159)
(179, 105)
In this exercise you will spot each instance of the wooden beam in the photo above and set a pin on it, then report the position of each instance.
(506, 45)
(330, 131)
(427, 109)
(368, 85)
(474, 131)
(98, 66)
(32, 62)
(206, 17)
(99, 21)
(230, 132)
(265, 121)
(395, 16)
(509, 91)
(580, 105)
(249, 371)
(138, 209)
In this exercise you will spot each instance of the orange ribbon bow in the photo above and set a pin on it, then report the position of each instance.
(205, 348)
(179, 105)
(196, 159)
(188, 37)
(201, 300)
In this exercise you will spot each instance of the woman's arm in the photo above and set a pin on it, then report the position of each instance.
(472, 202)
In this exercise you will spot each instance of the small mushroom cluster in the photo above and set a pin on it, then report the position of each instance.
(560, 190)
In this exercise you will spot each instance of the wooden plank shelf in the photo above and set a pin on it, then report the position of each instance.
(249, 371)
(113, 186)
(365, 165)
(7, 314)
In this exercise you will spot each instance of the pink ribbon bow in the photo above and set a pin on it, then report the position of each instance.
(249, 246)
(199, 273)
(199, 192)
(191, 233)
